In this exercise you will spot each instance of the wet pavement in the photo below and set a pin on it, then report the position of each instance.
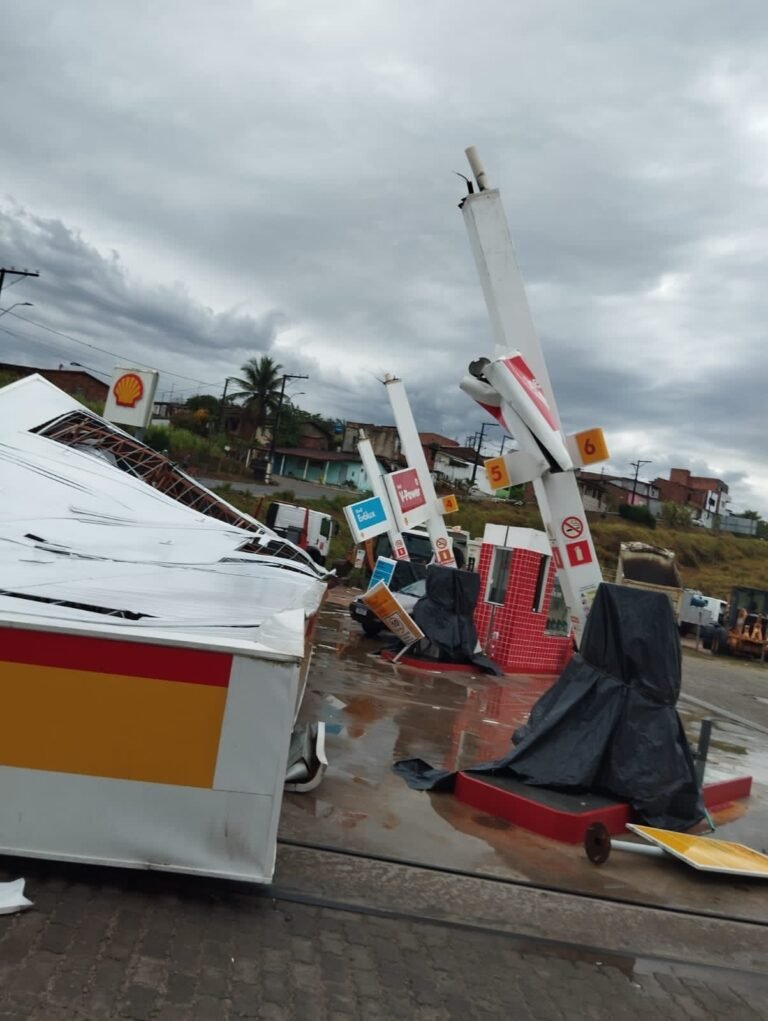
(342, 937)
(377, 713)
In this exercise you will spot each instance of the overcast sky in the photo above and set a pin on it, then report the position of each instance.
(200, 183)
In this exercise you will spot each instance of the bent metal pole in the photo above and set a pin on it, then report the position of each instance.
(514, 387)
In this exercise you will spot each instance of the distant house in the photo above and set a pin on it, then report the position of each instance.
(601, 492)
(327, 467)
(384, 439)
(446, 459)
(706, 498)
(313, 436)
(77, 382)
(455, 465)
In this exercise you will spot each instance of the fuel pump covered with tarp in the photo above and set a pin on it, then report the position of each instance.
(609, 724)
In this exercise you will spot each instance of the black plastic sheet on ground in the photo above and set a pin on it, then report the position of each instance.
(609, 724)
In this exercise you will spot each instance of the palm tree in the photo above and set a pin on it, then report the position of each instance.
(261, 389)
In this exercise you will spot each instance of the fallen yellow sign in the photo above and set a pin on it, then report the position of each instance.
(707, 854)
(381, 602)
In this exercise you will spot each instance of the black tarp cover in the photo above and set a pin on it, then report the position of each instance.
(609, 723)
(445, 615)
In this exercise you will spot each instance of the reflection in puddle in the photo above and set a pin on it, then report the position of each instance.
(376, 712)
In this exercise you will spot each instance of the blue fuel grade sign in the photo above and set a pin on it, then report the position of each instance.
(367, 518)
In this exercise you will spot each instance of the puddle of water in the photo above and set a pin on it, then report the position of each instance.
(377, 713)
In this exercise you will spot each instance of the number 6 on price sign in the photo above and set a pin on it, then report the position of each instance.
(592, 446)
(496, 470)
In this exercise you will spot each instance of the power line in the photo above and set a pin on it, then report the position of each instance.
(20, 273)
(102, 350)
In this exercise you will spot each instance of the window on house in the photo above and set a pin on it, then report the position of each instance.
(541, 584)
(499, 576)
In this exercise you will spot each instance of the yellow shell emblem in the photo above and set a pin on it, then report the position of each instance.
(128, 390)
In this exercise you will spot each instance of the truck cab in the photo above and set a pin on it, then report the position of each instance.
(309, 529)
(419, 546)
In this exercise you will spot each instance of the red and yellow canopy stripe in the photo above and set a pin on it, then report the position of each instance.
(111, 708)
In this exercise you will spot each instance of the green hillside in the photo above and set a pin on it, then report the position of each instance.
(710, 562)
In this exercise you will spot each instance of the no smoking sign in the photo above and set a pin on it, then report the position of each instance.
(572, 527)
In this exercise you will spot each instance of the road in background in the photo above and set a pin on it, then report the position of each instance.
(301, 490)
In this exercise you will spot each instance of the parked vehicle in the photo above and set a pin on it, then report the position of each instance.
(370, 623)
(744, 630)
(699, 611)
(651, 568)
(419, 546)
(309, 529)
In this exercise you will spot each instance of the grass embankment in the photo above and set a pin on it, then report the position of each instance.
(710, 562)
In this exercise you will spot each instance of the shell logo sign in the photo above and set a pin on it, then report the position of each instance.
(128, 390)
(131, 396)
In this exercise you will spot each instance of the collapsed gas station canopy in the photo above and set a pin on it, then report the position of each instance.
(151, 646)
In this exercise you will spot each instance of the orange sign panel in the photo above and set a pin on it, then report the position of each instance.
(592, 446)
(496, 470)
(450, 504)
(707, 854)
(380, 601)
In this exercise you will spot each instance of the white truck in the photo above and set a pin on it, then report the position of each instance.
(311, 530)
(655, 570)
(696, 610)
(651, 568)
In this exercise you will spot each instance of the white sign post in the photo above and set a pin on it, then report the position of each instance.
(515, 388)
(410, 443)
(372, 470)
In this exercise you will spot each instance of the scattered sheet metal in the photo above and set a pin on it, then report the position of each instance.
(307, 761)
(706, 854)
(152, 646)
(12, 897)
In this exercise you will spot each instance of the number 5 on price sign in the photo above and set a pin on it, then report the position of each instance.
(496, 470)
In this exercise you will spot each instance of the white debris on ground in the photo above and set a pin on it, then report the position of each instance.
(12, 897)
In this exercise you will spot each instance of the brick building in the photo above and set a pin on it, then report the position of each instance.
(705, 497)
(76, 382)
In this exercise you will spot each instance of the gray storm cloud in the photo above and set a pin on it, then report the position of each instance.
(198, 185)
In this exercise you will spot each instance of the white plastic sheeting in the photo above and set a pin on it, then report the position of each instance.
(80, 539)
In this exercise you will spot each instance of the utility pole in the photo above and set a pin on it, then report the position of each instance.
(222, 403)
(483, 427)
(276, 421)
(14, 273)
(637, 466)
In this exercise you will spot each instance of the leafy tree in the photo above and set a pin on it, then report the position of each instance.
(292, 418)
(204, 402)
(260, 393)
(638, 513)
(193, 421)
(675, 515)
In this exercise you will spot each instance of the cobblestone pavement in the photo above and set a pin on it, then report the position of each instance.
(112, 945)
